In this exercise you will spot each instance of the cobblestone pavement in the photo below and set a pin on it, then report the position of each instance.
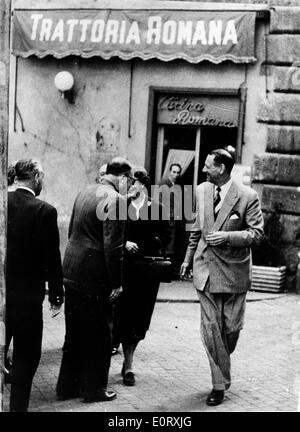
(172, 371)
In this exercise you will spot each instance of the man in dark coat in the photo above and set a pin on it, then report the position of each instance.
(92, 270)
(33, 257)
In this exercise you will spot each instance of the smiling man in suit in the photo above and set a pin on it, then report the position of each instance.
(228, 223)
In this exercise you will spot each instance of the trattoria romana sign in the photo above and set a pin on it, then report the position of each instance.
(167, 35)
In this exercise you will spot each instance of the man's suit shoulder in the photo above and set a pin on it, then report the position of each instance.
(30, 200)
(45, 206)
(100, 190)
(246, 190)
(111, 194)
(241, 188)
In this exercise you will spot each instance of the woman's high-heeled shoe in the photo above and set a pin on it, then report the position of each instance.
(128, 377)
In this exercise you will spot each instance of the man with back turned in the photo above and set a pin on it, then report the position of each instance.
(92, 270)
(33, 257)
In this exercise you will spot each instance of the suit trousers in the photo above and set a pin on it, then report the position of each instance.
(87, 348)
(24, 325)
(222, 317)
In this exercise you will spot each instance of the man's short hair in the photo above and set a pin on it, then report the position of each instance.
(26, 169)
(223, 156)
(175, 164)
(118, 166)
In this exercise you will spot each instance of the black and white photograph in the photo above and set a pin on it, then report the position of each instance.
(150, 209)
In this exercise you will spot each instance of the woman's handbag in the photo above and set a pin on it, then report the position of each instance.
(157, 268)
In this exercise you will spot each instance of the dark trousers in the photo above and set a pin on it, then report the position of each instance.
(24, 324)
(87, 348)
(133, 310)
(177, 244)
(222, 318)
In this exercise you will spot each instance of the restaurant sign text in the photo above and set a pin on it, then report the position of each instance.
(190, 35)
(198, 110)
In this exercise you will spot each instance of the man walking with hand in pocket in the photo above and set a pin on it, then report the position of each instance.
(228, 223)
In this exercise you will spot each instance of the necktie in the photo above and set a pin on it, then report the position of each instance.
(217, 200)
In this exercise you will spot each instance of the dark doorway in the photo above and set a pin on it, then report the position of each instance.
(180, 138)
(184, 138)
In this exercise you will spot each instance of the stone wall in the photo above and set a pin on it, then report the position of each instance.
(276, 173)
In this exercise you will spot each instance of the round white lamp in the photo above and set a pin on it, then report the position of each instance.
(64, 82)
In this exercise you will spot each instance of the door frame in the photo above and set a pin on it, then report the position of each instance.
(151, 138)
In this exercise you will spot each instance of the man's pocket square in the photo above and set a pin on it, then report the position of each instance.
(234, 216)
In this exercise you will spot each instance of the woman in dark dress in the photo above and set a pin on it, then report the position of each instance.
(145, 237)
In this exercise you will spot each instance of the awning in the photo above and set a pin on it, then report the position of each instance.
(167, 35)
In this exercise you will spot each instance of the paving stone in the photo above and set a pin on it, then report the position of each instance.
(172, 369)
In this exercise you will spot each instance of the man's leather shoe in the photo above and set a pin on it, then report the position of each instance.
(216, 397)
(101, 396)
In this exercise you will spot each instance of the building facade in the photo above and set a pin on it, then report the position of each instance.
(159, 82)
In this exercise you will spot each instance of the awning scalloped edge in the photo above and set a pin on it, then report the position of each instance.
(143, 56)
